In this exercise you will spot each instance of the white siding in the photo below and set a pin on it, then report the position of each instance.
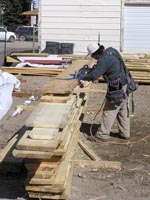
(80, 21)
(137, 29)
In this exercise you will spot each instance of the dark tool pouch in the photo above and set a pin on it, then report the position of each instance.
(131, 84)
(115, 93)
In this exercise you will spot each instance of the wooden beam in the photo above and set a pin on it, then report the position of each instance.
(88, 151)
(97, 164)
(32, 70)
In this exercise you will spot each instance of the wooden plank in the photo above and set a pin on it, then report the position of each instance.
(97, 164)
(41, 61)
(22, 94)
(65, 86)
(46, 115)
(43, 133)
(51, 115)
(38, 154)
(26, 143)
(30, 54)
(88, 151)
(54, 99)
(32, 70)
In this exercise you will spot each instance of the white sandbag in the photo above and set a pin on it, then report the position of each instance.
(8, 83)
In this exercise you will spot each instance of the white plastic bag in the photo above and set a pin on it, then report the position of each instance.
(8, 83)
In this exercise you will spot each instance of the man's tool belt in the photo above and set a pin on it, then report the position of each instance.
(115, 93)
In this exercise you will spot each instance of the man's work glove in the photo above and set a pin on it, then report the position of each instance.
(81, 76)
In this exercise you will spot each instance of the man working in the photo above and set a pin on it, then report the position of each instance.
(110, 66)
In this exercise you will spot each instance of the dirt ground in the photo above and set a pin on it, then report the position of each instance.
(131, 182)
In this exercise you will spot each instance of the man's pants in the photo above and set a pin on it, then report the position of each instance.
(112, 112)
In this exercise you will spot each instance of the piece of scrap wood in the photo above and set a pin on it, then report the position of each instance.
(97, 164)
(29, 54)
(88, 151)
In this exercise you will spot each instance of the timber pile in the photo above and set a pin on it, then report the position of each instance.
(51, 137)
(139, 66)
(46, 148)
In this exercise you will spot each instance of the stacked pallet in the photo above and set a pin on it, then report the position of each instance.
(46, 147)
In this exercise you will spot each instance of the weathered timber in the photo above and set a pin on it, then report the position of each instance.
(97, 164)
(57, 86)
(32, 70)
(88, 151)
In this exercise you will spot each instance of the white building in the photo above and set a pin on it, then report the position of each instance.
(123, 24)
(137, 26)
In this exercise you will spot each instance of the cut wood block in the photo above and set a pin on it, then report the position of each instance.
(49, 115)
(26, 143)
(43, 133)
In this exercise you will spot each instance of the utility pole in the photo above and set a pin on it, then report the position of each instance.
(2, 22)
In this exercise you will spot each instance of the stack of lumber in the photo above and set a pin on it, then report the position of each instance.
(46, 147)
(140, 69)
(52, 136)
(62, 86)
(139, 66)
